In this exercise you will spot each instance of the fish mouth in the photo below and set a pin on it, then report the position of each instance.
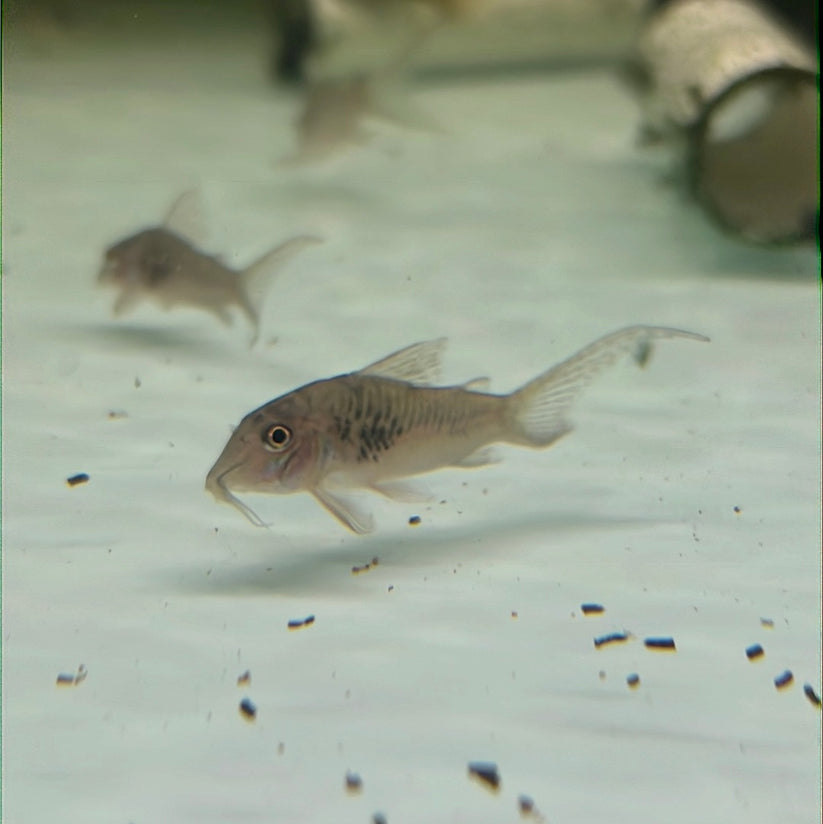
(215, 484)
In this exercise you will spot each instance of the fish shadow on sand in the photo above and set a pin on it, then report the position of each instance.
(327, 568)
(141, 338)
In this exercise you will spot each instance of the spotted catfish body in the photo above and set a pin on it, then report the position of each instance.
(371, 428)
(161, 265)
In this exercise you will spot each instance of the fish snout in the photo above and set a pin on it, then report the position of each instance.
(216, 485)
(217, 479)
(214, 482)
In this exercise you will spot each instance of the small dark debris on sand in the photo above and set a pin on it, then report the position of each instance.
(486, 772)
(633, 680)
(661, 644)
(66, 679)
(248, 709)
(356, 570)
(299, 623)
(244, 679)
(784, 680)
(768, 623)
(754, 652)
(79, 478)
(808, 689)
(592, 609)
(611, 638)
(354, 784)
(414, 520)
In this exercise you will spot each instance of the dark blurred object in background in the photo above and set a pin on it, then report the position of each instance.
(462, 37)
(801, 15)
(301, 27)
(294, 38)
(734, 92)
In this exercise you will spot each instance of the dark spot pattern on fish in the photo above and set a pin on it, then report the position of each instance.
(376, 437)
(356, 405)
(343, 428)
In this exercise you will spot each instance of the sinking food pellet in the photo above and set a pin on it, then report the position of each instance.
(754, 652)
(485, 772)
(117, 414)
(767, 622)
(665, 644)
(248, 710)
(525, 804)
(611, 638)
(299, 623)
(784, 680)
(356, 570)
(592, 609)
(354, 784)
(633, 680)
(76, 480)
(244, 679)
(414, 520)
(808, 689)
(379, 818)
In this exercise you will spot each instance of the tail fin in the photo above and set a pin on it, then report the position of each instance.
(256, 278)
(537, 411)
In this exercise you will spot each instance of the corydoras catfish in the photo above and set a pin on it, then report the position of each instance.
(161, 265)
(367, 429)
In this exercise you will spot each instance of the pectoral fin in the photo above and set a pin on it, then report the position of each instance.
(345, 511)
(480, 457)
(126, 301)
(400, 491)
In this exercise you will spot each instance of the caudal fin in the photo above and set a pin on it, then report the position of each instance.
(256, 278)
(538, 411)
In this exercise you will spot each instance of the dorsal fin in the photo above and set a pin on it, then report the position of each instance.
(185, 217)
(418, 364)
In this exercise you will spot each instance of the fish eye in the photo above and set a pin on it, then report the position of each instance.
(277, 437)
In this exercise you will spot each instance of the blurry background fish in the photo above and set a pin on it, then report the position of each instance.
(161, 264)
(729, 85)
